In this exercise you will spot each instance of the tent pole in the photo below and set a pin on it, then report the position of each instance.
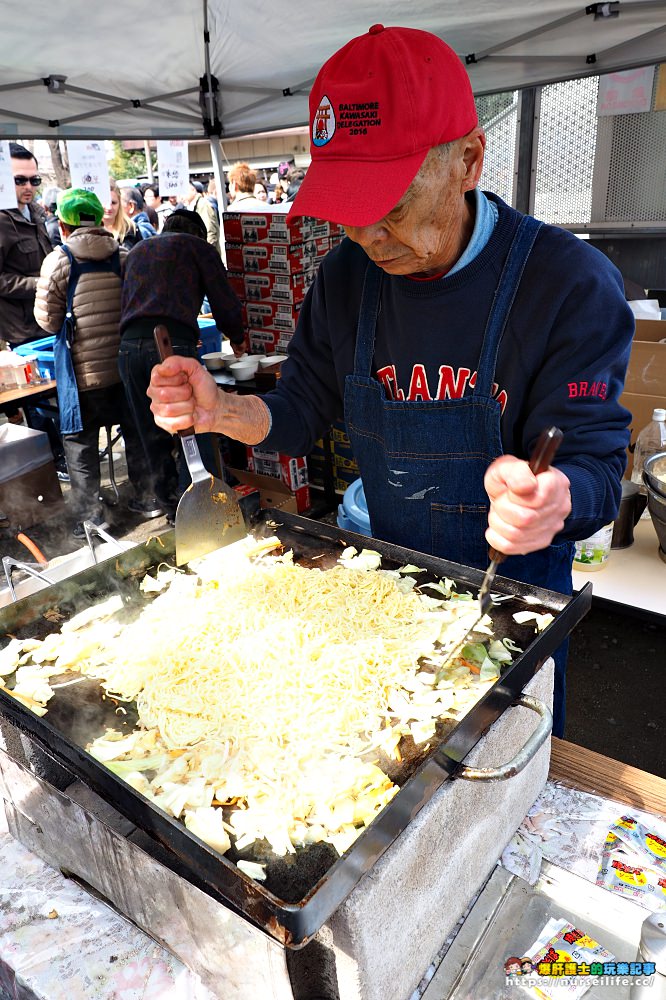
(215, 147)
(218, 172)
(149, 163)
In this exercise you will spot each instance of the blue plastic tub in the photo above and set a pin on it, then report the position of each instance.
(211, 338)
(43, 351)
(353, 511)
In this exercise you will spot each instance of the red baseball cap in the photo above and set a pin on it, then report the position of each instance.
(377, 107)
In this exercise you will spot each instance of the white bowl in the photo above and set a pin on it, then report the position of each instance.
(231, 359)
(214, 361)
(272, 359)
(244, 370)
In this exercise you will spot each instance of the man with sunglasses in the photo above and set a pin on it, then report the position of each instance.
(24, 243)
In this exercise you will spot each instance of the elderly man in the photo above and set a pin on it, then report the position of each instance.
(449, 329)
(24, 243)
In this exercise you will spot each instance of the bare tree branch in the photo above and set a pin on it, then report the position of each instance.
(60, 167)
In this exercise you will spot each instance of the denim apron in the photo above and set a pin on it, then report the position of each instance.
(69, 408)
(423, 462)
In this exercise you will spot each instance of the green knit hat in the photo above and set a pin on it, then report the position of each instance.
(77, 207)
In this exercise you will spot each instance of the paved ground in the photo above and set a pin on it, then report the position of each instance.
(615, 702)
(616, 683)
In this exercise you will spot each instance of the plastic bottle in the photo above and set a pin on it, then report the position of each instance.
(650, 441)
(592, 553)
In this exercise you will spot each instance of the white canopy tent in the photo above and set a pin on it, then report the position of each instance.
(134, 69)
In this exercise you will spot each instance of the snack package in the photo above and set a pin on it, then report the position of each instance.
(650, 844)
(631, 874)
(562, 944)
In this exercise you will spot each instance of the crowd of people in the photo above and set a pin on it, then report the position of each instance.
(99, 278)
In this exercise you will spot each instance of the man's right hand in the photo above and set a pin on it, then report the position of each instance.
(184, 394)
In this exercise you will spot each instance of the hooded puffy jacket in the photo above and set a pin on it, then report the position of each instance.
(23, 247)
(96, 306)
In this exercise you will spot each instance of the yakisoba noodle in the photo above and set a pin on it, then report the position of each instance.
(264, 684)
(287, 655)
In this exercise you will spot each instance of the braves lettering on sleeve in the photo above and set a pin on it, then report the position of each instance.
(599, 389)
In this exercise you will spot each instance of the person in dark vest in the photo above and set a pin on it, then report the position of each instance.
(449, 329)
(78, 298)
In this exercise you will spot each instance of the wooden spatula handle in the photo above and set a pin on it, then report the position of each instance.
(165, 350)
(542, 456)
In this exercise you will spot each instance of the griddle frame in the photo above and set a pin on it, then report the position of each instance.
(292, 924)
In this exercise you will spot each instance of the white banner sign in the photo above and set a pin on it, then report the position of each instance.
(7, 188)
(89, 168)
(173, 167)
(626, 93)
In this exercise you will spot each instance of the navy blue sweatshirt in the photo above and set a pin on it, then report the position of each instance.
(562, 359)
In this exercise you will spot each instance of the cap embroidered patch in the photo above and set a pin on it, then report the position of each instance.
(323, 123)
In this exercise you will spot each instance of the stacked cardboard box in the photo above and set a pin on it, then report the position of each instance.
(271, 261)
(343, 464)
(292, 472)
(645, 384)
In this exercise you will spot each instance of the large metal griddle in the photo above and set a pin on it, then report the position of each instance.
(302, 891)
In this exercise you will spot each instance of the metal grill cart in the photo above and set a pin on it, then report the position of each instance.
(318, 919)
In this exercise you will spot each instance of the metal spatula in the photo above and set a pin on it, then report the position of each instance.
(208, 514)
(543, 454)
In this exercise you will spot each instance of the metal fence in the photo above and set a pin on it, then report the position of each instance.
(586, 170)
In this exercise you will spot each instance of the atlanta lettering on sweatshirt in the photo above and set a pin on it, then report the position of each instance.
(450, 384)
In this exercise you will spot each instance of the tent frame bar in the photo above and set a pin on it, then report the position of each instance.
(287, 92)
(618, 48)
(475, 57)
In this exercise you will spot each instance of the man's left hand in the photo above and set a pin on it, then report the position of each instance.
(526, 511)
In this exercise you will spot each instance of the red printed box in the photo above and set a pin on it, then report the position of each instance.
(272, 315)
(264, 341)
(269, 341)
(319, 228)
(293, 472)
(277, 287)
(322, 244)
(265, 227)
(250, 257)
(284, 259)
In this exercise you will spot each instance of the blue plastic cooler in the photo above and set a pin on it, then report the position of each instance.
(211, 338)
(353, 511)
(43, 351)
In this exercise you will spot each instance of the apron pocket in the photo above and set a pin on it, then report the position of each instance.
(549, 568)
(458, 533)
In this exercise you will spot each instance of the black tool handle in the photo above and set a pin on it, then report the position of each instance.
(165, 350)
(542, 456)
